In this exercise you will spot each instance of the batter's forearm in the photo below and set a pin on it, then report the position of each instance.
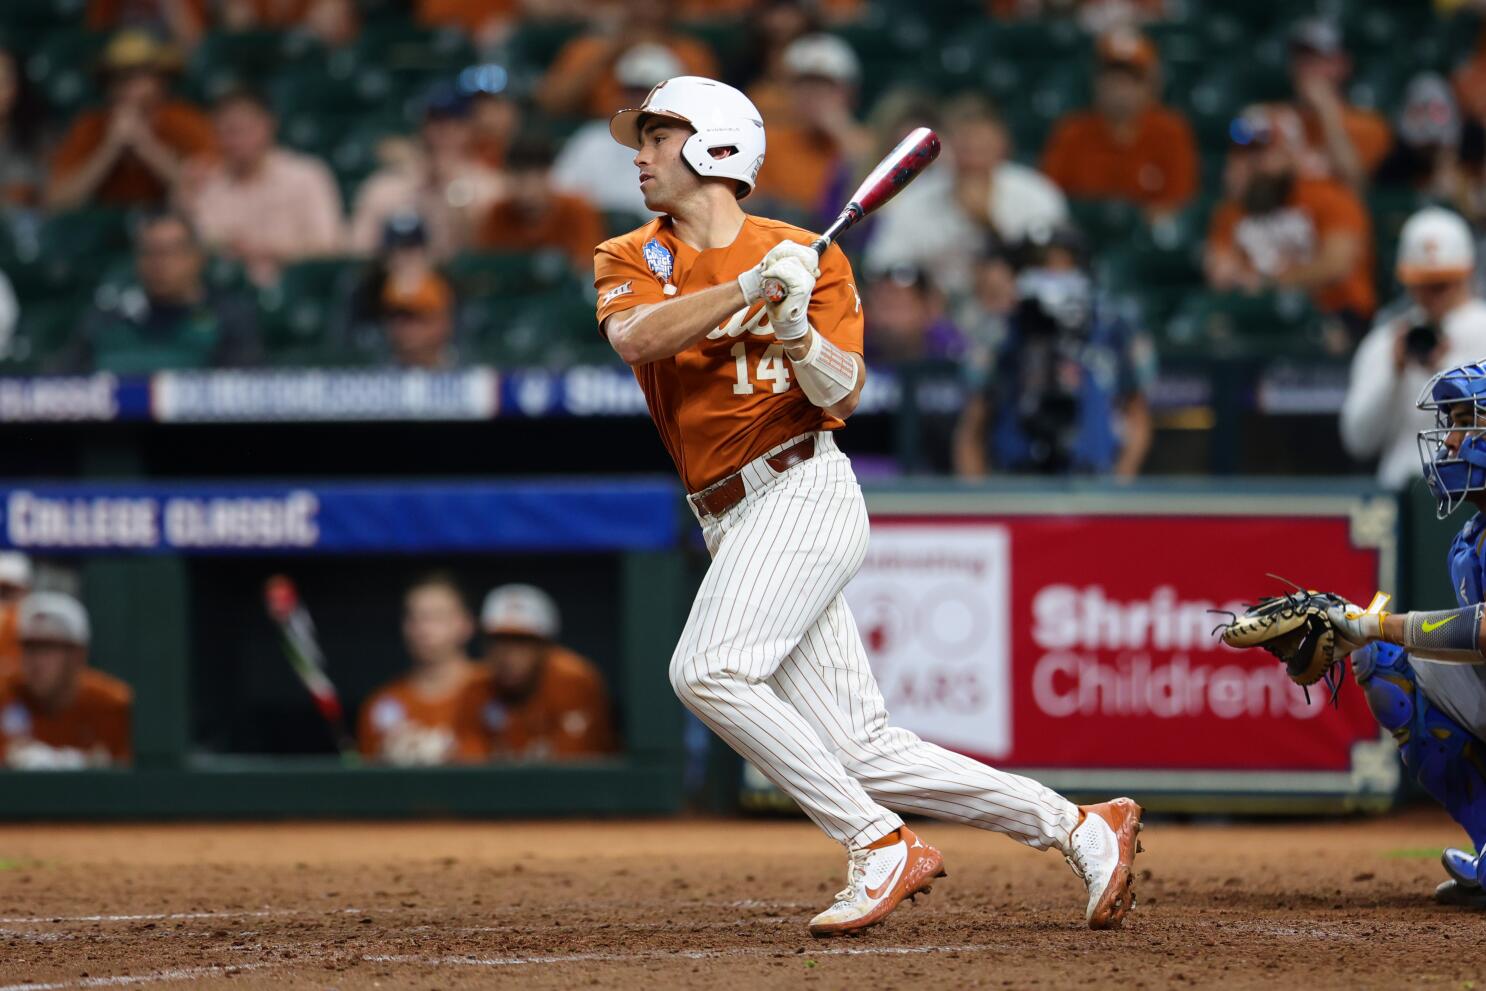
(660, 330)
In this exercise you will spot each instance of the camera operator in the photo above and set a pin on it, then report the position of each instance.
(1066, 390)
(1440, 324)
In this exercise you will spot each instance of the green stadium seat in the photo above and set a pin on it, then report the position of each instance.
(41, 14)
(618, 222)
(320, 89)
(226, 59)
(63, 255)
(1229, 324)
(535, 44)
(551, 330)
(295, 314)
(61, 69)
(503, 275)
(42, 331)
(1106, 224)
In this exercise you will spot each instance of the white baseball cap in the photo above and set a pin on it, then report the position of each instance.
(643, 65)
(823, 55)
(519, 610)
(1434, 245)
(53, 617)
(15, 569)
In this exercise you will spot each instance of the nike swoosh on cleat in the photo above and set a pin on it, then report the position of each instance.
(1429, 627)
(882, 889)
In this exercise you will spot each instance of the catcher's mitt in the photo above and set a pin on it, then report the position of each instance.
(1295, 629)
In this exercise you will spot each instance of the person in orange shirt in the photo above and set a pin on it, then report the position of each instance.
(416, 720)
(747, 385)
(1126, 146)
(418, 316)
(534, 215)
(538, 700)
(1342, 141)
(129, 153)
(581, 79)
(15, 585)
(333, 22)
(1280, 230)
(812, 133)
(57, 713)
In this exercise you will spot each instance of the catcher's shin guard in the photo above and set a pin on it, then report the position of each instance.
(1442, 756)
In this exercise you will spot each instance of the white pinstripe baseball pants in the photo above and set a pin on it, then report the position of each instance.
(771, 660)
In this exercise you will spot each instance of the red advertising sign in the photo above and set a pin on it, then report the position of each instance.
(1086, 642)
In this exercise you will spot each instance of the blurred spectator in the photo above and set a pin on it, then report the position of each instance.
(495, 116)
(442, 179)
(20, 125)
(1067, 391)
(906, 321)
(131, 151)
(358, 325)
(537, 699)
(416, 720)
(183, 21)
(332, 22)
(171, 319)
(769, 29)
(939, 224)
(1342, 141)
(1127, 146)
(1435, 153)
(1094, 15)
(833, 10)
(811, 132)
(261, 204)
(15, 585)
(595, 166)
(534, 215)
(581, 79)
(57, 713)
(1279, 230)
(1469, 80)
(418, 317)
(1442, 324)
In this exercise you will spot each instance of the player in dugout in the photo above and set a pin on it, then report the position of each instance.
(417, 719)
(57, 713)
(15, 585)
(537, 700)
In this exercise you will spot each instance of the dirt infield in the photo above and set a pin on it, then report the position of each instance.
(710, 905)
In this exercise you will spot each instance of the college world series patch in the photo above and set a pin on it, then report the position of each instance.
(660, 260)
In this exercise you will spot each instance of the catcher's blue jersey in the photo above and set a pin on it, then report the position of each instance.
(1467, 562)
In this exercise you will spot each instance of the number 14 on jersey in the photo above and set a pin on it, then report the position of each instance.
(772, 367)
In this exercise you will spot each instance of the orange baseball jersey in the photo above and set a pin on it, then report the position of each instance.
(10, 641)
(566, 714)
(93, 731)
(730, 397)
(403, 726)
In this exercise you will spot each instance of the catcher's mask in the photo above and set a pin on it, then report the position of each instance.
(1453, 475)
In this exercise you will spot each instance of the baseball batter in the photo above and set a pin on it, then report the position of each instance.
(747, 395)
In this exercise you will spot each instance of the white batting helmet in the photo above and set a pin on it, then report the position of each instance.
(722, 118)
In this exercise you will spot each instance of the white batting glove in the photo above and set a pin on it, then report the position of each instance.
(787, 318)
(1355, 626)
(751, 282)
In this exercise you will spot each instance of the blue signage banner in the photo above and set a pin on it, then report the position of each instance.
(340, 518)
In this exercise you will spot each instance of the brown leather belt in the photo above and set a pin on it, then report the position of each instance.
(719, 497)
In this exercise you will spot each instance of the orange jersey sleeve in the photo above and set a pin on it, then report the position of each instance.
(621, 275)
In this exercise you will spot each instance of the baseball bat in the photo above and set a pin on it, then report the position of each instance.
(901, 166)
(302, 647)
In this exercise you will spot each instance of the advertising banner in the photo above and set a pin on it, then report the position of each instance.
(1083, 646)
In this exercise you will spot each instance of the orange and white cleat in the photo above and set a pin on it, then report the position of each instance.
(878, 877)
(1102, 852)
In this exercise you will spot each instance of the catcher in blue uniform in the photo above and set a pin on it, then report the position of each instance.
(1424, 673)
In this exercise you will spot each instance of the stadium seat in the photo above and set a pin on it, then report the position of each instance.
(43, 329)
(510, 274)
(1106, 224)
(294, 315)
(535, 43)
(225, 59)
(62, 256)
(549, 330)
(61, 69)
(623, 221)
(1227, 324)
